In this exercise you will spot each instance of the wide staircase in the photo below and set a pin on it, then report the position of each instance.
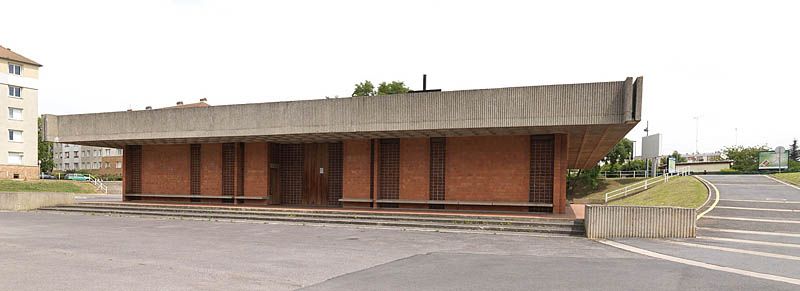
(396, 219)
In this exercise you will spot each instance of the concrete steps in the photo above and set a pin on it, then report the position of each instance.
(323, 216)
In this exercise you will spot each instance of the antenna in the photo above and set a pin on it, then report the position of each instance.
(696, 133)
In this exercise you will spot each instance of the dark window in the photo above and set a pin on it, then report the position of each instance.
(133, 169)
(541, 171)
(437, 174)
(291, 173)
(389, 169)
(335, 168)
(194, 172)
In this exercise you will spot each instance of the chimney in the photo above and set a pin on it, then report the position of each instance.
(203, 99)
(148, 108)
(424, 82)
(179, 103)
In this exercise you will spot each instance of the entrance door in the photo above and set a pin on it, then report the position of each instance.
(315, 175)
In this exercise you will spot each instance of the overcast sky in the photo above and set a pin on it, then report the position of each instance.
(733, 65)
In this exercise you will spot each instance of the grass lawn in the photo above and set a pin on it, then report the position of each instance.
(791, 178)
(679, 191)
(46, 186)
(597, 195)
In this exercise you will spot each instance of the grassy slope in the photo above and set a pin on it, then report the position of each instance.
(603, 186)
(791, 178)
(679, 191)
(45, 186)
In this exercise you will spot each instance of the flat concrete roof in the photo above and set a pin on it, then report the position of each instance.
(595, 116)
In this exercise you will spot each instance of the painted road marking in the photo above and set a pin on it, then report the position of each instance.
(732, 250)
(782, 182)
(754, 219)
(701, 264)
(744, 184)
(716, 197)
(758, 209)
(762, 201)
(752, 242)
(751, 232)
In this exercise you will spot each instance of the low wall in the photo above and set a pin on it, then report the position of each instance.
(604, 221)
(33, 200)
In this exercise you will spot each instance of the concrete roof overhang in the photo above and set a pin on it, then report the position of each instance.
(594, 116)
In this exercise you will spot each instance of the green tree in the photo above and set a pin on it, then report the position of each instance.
(364, 89)
(395, 87)
(794, 152)
(620, 152)
(744, 158)
(678, 158)
(45, 152)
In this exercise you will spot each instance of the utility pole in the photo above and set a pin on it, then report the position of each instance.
(696, 134)
(736, 130)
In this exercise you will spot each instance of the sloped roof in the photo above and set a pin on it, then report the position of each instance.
(8, 54)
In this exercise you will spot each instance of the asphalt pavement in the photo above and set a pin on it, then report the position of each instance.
(754, 228)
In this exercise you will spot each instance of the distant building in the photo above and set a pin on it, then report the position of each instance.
(704, 157)
(98, 160)
(707, 167)
(18, 82)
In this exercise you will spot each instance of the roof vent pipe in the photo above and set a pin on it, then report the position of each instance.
(148, 108)
(179, 103)
(203, 99)
(424, 82)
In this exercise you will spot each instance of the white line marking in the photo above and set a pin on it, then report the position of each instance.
(754, 219)
(751, 232)
(759, 209)
(782, 182)
(752, 242)
(761, 201)
(746, 184)
(716, 199)
(732, 250)
(701, 264)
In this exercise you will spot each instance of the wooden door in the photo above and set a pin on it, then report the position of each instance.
(315, 175)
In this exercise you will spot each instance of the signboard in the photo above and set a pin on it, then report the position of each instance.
(773, 160)
(651, 146)
(671, 166)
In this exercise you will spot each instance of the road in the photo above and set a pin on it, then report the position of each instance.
(754, 229)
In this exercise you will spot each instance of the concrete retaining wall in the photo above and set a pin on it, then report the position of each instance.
(639, 221)
(29, 201)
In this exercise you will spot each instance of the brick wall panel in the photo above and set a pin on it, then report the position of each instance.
(356, 176)
(211, 170)
(256, 181)
(487, 168)
(165, 169)
(414, 168)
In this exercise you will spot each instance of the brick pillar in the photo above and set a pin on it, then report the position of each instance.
(560, 173)
(375, 170)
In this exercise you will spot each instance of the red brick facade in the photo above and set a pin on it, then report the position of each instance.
(477, 169)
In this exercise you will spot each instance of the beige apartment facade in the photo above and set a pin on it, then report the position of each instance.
(19, 94)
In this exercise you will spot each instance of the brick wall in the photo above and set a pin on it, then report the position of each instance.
(560, 174)
(414, 168)
(355, 176)
(256, 181)
(165, 169)
(487, 168)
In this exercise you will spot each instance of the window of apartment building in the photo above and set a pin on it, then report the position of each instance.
(14, 91)
(14, 135)
(15, 158)
(75, 154)
(105, 165)
(15, 113)
(119, 165)
(14, 69)
(74, 166)
(108, 152)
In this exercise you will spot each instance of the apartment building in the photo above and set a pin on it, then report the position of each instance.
(18, 82)
(97, 160)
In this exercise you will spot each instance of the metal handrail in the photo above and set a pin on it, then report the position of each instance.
(624, 174)
(98, 183)
(645, 184)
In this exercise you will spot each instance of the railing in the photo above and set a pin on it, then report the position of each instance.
(643, 185)
(624, 174)
(98, 183)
